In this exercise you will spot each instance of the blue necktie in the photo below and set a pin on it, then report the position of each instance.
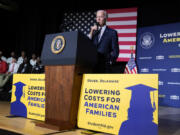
(99, 35)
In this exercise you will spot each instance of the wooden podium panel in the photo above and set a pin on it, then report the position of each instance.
(62, 105)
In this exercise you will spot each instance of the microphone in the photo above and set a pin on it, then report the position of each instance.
(97, 23)
(96, 31)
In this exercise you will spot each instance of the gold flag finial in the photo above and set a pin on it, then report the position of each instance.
(132, 48)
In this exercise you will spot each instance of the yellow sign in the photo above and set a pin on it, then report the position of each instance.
(119, 103)
(28, 96)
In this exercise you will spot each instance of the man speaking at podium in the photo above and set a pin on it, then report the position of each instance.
(106, 41)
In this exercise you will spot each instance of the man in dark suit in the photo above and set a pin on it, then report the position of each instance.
(25, 67)
(106, 41)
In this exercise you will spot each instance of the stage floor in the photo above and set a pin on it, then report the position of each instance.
(169, 123)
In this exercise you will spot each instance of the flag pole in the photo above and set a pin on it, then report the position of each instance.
(132, 48)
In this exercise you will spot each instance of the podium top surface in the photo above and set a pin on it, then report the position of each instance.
(67, 48)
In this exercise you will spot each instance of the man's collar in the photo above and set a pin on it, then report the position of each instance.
(103, 27)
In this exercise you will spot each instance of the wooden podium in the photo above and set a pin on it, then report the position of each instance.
(63, 77)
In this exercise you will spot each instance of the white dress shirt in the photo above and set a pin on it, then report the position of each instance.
(9, 60)
(33, 62)
(20, 60)
(15, 69)
(102, 32)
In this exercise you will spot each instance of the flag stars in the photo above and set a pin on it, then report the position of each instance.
(81, 21)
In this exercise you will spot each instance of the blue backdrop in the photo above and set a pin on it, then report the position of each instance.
(158, 51)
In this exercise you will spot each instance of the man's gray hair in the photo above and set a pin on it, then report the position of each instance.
(105, 13)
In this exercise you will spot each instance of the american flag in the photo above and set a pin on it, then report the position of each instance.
(79, 21)
(131, 67)
(124, 21)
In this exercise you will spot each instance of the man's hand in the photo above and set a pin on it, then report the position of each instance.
(93, 28)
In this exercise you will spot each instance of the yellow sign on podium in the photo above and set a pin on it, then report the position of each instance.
(123, 104)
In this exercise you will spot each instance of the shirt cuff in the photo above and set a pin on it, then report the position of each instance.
(89, 36)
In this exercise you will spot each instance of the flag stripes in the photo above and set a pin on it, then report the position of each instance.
(124, 21)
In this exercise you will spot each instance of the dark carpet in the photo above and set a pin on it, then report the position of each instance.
(6, 132)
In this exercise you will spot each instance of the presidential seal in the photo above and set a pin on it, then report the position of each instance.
(147, 40)
(58, 44)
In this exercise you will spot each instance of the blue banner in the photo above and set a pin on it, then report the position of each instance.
(158, 51)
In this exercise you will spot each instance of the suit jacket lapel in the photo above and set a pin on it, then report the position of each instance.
(104, 34)
(96, 39)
